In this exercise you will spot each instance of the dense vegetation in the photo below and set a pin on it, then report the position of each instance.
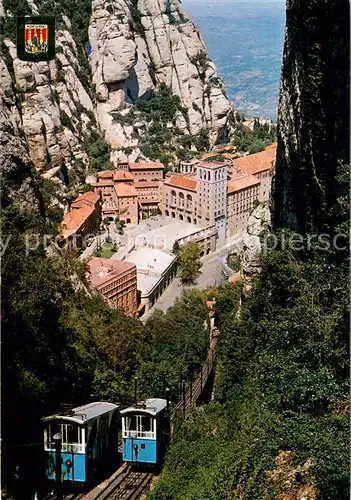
(163, 140)
(255, 140)
(189, 263)
(62, 346)
(280, 420)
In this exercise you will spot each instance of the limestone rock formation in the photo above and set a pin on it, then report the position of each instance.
(134, 47)
(137, 44)
(253, 242)
(16, 183)
(49, 91)
(313, 115)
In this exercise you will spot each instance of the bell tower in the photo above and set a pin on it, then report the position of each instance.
(212, 197)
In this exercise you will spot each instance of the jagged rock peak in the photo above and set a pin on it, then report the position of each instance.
(135, 46)
(122, 56)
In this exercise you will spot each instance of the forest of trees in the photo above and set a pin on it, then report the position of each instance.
(279, 423)
(61, 346)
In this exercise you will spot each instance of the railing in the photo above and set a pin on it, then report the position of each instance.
(195, 392)
(139, 434)
(68, 447)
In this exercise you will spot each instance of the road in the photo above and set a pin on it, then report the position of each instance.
(88, 252)
(210, 276)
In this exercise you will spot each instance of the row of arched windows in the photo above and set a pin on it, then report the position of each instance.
(206, 174)
(180, 217)
(189, 199)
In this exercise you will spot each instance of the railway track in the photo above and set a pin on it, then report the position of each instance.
(68, 496)
(125, 484)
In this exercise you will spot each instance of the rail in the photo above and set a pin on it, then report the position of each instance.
(195, 392)
(126, 484)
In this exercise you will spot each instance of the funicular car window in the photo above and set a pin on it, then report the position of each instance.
(71, 438)
(145, 424)
(139, 426)
(131, 423)
(51, 430)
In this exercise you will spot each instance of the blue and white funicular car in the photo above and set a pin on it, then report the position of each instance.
(145, 432)
(89, 436)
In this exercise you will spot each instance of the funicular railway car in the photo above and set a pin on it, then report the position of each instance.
(145, 432)
(89, 436)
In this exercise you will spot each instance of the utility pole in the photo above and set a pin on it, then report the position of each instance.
(135, 389)
(58, 440)
(164, 385)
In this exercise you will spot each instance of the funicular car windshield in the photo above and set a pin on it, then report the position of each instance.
(139, 426)
(72, 437)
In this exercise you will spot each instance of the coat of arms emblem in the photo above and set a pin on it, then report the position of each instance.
(36, 38)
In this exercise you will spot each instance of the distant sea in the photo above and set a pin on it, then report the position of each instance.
(245, 41)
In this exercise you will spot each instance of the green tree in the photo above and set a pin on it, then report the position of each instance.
(189, 262)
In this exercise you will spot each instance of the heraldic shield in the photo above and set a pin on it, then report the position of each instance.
(36, 38)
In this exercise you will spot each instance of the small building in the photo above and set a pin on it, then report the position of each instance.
(89, 198)
(155, 271)
(241, 195)
(116, 281)
(80, 221)
(261, 166)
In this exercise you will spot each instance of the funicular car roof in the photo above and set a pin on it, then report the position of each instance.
(150, 407)
(83, 414)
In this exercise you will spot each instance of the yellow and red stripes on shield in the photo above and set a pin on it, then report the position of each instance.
(40, 31)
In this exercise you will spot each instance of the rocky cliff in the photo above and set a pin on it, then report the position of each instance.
(111, 57)
(313, 116)
(17, 186)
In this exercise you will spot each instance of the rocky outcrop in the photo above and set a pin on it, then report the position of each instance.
(16, 182)
(134, 47)
(53, 105)
(253, 242)
(313, 115)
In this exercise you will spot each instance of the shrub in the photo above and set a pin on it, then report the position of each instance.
(98, 151)
(124, 119)
(66, 121)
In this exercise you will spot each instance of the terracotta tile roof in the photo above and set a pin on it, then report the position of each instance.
(205, 156)
(242, 183)
(144, 165)
(104, 270)
(182, 182)
(123, 190)
(236, 278)
(141, 184)
(122, 175)
(258, 162)
(89, 196)
(73, 220)
(105, 174)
